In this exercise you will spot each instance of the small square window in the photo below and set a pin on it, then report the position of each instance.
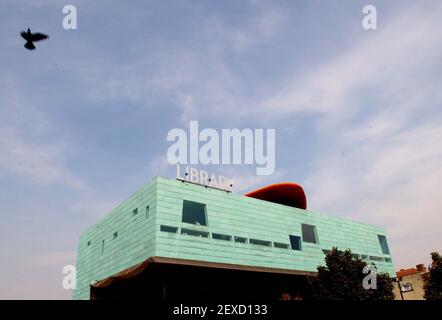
(295, 242)
(88, 243)
(309, 233)
(406, 286)
(135, 212)
(194, 213)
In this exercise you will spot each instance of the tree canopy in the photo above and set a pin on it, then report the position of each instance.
(433, 286)
(342, 279)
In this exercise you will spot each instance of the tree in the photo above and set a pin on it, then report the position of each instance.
(433, 286)
(342, 279)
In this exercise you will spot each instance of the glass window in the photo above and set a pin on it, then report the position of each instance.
(195, 233)
(194, 213)
(295, 242)
(168, 229)
(374, 258)
(309, 233)
(147, 212)
(240, 239)
(88, 243)
(115, 236)
(221, 236)
(383, 243)
(260, 242)
(280, 245)
(406, 286)
(135, 211)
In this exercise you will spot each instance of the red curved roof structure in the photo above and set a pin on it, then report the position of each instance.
(286, 193)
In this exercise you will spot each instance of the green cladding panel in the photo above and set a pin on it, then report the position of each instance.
(188, 221)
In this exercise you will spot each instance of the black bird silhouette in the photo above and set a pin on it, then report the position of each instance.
(32, 37)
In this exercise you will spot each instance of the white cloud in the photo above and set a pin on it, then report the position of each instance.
(30, 146)
(380, 127)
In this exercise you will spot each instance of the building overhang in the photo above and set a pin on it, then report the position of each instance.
(152, 261)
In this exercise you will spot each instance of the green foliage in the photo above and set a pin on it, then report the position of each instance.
(433, 287)
(342, 279)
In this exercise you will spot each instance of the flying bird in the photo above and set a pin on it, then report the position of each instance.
(31, 38)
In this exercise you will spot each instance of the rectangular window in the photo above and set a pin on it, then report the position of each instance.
(135, 212)
(406, 286)
(355, 256)
(387, 260)
(295, 242)
(372, 258)
(88, 243)
(260, 242)
(168, 229)
(309, 233)
(195, 233)
(221, 237)
(240, 239)
(383, 243)
(365, 257)
(280, 245)
(102, 247)
(115, 236)
(194, 213)
(147, 212)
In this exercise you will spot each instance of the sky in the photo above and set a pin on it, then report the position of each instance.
(84, 118)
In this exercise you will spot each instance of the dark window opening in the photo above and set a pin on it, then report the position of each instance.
(168, 229)
(309, 233)
(280, 245)
(260, 242)
(295, 242)
(326, 251)
(147, 212)
(365, 257)
(88, 243)
(373, 258)
(102, 247)
(115, 236)
(195, 233)
(240, 239)
(383, 243)
(134, 212)
(194, 213)
(387, 260)
(355, 256)
(221, 236)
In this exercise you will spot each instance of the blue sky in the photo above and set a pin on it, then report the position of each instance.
(84, 118)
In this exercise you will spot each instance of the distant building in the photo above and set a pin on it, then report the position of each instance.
(175, 239)
(411, 282)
